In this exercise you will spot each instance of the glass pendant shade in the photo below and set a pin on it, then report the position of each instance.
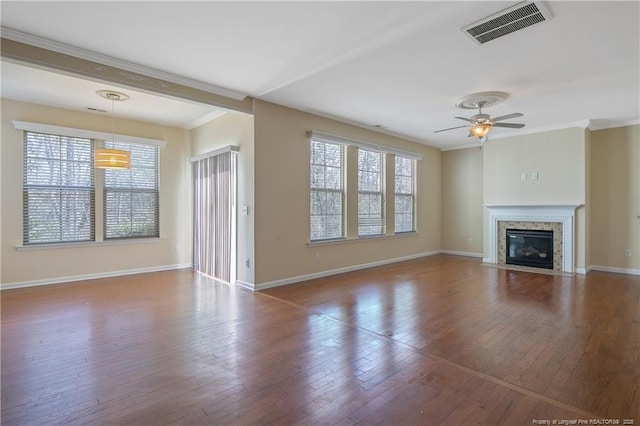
(480, 130)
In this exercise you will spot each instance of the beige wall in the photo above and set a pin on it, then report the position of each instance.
(282, 199)
(462, 223)
(615, 197)
(235, 129)
(173, 249)
(557, 156)
(600, 169)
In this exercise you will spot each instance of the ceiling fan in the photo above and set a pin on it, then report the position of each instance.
(481, 123)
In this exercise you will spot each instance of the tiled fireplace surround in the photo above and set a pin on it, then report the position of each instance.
(557, 218)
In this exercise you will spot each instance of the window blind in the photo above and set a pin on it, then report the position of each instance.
(371, 219)
(58, 189)
(327, 190)
(131, 196)
(405, 194)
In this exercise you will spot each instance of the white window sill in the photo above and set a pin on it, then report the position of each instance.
(125, 241)
(361, 239)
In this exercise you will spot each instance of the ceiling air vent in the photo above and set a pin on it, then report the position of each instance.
(515, 18)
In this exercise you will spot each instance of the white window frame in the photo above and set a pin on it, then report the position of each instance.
(404, 194)
(96, 136)
(113, 227)
(69, 193)
(316, 192)
(371, 222)
(350, 185)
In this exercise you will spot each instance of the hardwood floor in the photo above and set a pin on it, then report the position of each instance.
(439, 340)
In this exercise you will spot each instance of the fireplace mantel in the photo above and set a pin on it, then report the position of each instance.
(564, 214)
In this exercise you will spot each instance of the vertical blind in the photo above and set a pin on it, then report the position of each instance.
(214, 218)
(58, 189)
(131, 196)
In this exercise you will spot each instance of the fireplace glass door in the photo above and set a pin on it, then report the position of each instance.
(530, 248)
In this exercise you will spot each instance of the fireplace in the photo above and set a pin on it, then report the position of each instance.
(529, 247)
(556, 218)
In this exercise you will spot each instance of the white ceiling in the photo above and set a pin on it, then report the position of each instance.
(400, 65)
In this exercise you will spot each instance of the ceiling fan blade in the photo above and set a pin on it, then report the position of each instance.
(508, 116)
(450, 128)
(465, 119)
(509, 125)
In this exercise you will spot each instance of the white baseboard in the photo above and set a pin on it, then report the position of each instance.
(582, 271)
(322, 274)
(246, 285)
(614, 269)
(462, 253)
(59, 280)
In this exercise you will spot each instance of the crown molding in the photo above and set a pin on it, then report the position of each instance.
(467, 146)
(583, 124)
(89, 55)
(590, 124)
(601, 124)
(205, 119)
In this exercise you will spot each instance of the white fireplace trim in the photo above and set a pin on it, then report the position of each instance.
(539, 213)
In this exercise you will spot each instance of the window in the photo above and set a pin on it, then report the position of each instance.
(370, 201)
(327, 190)
(58, 189)
(405, 194)
(131, 201)
(366, 188)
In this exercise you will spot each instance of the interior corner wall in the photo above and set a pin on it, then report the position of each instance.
(281, 209)
(235, 129)
(33, 266)
(586, 245)
(615, 199)
(462, 212)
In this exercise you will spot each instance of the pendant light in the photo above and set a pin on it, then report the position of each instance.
(110, 158)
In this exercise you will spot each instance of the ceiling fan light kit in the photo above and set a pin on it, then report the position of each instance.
(480, 130)
(480, 123)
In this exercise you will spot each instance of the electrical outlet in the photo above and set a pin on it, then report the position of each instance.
(523, 176)
(627, 252)
(534, 175)
(316, 255)
(248, 263)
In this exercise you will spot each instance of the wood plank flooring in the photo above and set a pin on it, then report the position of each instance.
(440, 340)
